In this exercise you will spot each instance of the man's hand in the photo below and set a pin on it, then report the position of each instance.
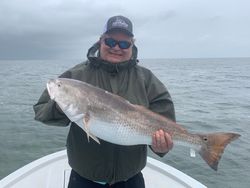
(161, 142)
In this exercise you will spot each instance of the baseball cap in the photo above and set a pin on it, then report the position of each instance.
(119, 23)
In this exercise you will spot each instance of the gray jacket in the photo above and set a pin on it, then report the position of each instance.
(108, 162)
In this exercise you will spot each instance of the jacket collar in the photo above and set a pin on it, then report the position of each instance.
(97, 62)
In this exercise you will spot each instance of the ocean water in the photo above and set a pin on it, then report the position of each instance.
(210, 95)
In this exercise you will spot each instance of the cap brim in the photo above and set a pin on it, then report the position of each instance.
(119, 30)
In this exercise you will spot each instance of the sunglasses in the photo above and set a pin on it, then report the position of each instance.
(110, 42)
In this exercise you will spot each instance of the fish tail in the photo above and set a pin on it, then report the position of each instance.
(213, 147)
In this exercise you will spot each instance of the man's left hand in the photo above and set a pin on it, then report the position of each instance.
(161, 142)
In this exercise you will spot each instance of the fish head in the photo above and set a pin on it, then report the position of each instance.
(54, 88)
(61, 92)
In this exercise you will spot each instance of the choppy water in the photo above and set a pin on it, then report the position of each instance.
(209, 95)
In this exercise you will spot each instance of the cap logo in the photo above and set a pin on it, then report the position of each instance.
(119, 23)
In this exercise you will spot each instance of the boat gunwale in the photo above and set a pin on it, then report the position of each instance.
(154, 164)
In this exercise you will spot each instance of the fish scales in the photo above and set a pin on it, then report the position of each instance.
(110, 117)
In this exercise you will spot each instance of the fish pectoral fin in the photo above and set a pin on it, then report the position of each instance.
(86, 119)
(86, 123)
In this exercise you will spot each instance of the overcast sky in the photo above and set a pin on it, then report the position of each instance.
(65, 29)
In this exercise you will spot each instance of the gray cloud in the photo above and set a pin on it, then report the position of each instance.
(32, 29)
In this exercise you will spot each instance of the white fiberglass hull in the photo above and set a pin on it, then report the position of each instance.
(53, 171)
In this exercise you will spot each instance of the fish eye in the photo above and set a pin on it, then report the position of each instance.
(205, 139)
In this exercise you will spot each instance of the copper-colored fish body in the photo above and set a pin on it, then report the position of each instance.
(112, 118)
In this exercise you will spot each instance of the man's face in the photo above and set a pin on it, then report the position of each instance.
(115, 54)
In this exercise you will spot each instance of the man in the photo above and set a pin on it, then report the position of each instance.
(111, 65)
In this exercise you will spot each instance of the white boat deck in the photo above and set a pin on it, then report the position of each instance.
(53, 171)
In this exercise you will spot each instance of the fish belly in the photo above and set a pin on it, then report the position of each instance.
(118, 134)
(110, 132)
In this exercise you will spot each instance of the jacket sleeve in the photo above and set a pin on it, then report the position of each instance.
(48, 112)
(160, 100)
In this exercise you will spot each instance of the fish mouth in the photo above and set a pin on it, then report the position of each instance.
(52, 97)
